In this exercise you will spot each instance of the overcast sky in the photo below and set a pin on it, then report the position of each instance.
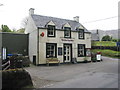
(94, 14)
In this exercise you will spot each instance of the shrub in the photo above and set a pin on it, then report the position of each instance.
(107, 52)
(15, 78)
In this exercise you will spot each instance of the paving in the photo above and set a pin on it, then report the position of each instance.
(82, 75)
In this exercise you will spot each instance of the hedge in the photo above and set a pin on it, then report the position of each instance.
(16, 78)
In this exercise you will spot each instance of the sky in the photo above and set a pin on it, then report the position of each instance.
(93, 14)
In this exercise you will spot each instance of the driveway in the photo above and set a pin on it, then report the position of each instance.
(82, 75)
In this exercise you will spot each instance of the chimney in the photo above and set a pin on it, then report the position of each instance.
(76, 18)
(31, 11)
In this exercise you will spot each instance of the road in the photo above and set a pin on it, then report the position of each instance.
(83, 75)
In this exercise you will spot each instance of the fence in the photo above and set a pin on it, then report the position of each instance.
(6, 65)
(115, 48)
(11, 63)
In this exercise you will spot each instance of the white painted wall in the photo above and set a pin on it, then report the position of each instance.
(33, 45)
(32, 30)
(57, 39)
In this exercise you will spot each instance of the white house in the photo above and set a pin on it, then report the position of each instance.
(55, 37)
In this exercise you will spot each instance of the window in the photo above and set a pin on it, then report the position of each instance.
(67, 32)
(51, 31)
(81, 50)
(51, 50)
(81, 33)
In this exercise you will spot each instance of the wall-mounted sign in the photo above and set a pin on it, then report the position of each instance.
(59, 50)
(42, 34)
(69, 40)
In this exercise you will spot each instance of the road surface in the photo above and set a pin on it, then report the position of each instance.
(83, 75)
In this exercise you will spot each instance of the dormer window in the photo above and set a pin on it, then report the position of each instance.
(51, 31)
(67, 32)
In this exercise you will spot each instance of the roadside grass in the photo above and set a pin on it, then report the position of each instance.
(103, 43)
(106, 52)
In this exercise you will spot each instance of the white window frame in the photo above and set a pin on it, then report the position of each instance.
(51, 31)
(50, 47)
(81, 50)
(67, 30)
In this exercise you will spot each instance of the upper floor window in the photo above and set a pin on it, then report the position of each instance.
(51, 31)
(81, 33)
(67, 32)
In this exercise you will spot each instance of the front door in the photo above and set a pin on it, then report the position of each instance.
(67, 53)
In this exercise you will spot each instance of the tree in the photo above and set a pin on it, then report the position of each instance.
(5, 28)
(106, 38)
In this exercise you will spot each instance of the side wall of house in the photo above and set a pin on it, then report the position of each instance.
(33, 45)
(30, 27)
(32, 30)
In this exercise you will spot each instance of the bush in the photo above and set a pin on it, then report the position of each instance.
(107, 52)
(20, 61)
(106, 38)
(16, 78)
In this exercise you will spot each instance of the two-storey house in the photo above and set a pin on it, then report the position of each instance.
(55, 37)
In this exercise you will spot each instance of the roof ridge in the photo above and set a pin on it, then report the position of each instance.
(55, 17)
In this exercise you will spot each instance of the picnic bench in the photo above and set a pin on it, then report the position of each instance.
(52, 61)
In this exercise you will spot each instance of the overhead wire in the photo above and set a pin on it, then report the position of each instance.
(100, 19)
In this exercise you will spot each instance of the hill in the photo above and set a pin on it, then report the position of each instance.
(101, 33)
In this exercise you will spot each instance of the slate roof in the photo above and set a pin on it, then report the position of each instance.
(41, 21)
(94, 37)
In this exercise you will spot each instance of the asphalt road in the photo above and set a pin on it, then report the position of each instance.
(83, 75)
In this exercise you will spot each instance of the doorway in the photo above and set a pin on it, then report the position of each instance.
(67, 52)
(34, 60)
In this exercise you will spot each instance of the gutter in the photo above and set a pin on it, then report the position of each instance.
(37, 46)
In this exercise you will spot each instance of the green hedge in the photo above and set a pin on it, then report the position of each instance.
(103, 43)
(107, 52)
(16, 78)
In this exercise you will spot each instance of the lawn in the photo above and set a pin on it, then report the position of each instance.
(109, 53)
(103, 43)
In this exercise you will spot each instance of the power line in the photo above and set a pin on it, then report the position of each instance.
(101, 19)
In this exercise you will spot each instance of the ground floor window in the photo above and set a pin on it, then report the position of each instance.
(81, 50)
(51, 50)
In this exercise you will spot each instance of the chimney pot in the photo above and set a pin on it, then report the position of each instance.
(76, 18)
(31, 11)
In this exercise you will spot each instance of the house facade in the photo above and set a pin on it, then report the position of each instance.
(58, 38)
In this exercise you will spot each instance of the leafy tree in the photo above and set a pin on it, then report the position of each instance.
(106, 38)
(5, 28)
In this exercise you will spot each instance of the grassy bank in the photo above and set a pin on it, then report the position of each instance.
(109, 53)
(103, 43)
